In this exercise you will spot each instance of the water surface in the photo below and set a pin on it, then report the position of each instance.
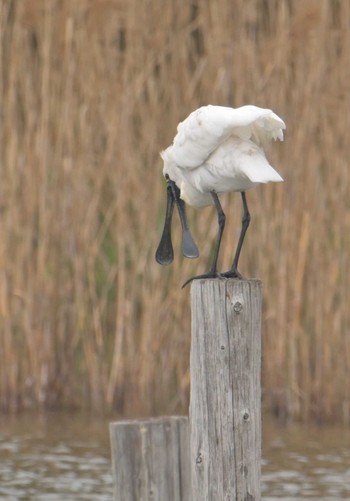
(55, 458)
(67, 457)
(305, 462)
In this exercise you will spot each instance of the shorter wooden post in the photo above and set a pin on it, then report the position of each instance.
(151, 459)
(225, 406)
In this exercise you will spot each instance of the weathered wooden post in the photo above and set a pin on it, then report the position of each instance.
(225, 405)
(151, 459)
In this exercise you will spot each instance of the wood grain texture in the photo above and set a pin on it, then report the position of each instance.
(151, 459)
(225, 405)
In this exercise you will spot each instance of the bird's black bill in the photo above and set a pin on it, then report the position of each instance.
(189, 248)
(165, 252)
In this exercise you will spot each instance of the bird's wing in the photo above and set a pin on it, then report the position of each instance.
(236, 165)
(206, 128)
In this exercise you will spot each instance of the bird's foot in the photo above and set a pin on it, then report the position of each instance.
(233, 273)
(210, 274)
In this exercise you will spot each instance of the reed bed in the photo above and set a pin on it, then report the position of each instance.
(90, 92)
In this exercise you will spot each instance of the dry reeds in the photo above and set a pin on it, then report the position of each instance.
(90, 92)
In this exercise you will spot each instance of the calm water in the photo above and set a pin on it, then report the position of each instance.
(67, 458)
(301, 462)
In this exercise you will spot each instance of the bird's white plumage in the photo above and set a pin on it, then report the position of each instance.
(222, 149)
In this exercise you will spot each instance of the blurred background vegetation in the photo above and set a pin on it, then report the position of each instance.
(90, 93)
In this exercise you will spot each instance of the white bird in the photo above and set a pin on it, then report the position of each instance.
(217, 149)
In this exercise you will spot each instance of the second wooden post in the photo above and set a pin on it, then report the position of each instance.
(225, 405)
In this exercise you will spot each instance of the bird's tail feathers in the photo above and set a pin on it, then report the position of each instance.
(261, 172)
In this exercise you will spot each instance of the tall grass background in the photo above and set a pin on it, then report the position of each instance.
(90, 92)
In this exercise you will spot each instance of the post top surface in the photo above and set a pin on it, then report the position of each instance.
(222, 280)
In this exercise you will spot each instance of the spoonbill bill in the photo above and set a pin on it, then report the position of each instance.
(217, 149)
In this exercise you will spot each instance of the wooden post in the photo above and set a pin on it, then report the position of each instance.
(151, 459)
(225, 405)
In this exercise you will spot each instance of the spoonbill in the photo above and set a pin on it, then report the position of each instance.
(217, 149)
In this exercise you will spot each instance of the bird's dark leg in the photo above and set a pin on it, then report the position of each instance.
(221, 222)
(164, 252)
(233, 272)
(189, 248)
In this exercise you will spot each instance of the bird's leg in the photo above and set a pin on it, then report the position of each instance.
(221, 222)
(164, 252)
(233, 272)
(189, 248)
